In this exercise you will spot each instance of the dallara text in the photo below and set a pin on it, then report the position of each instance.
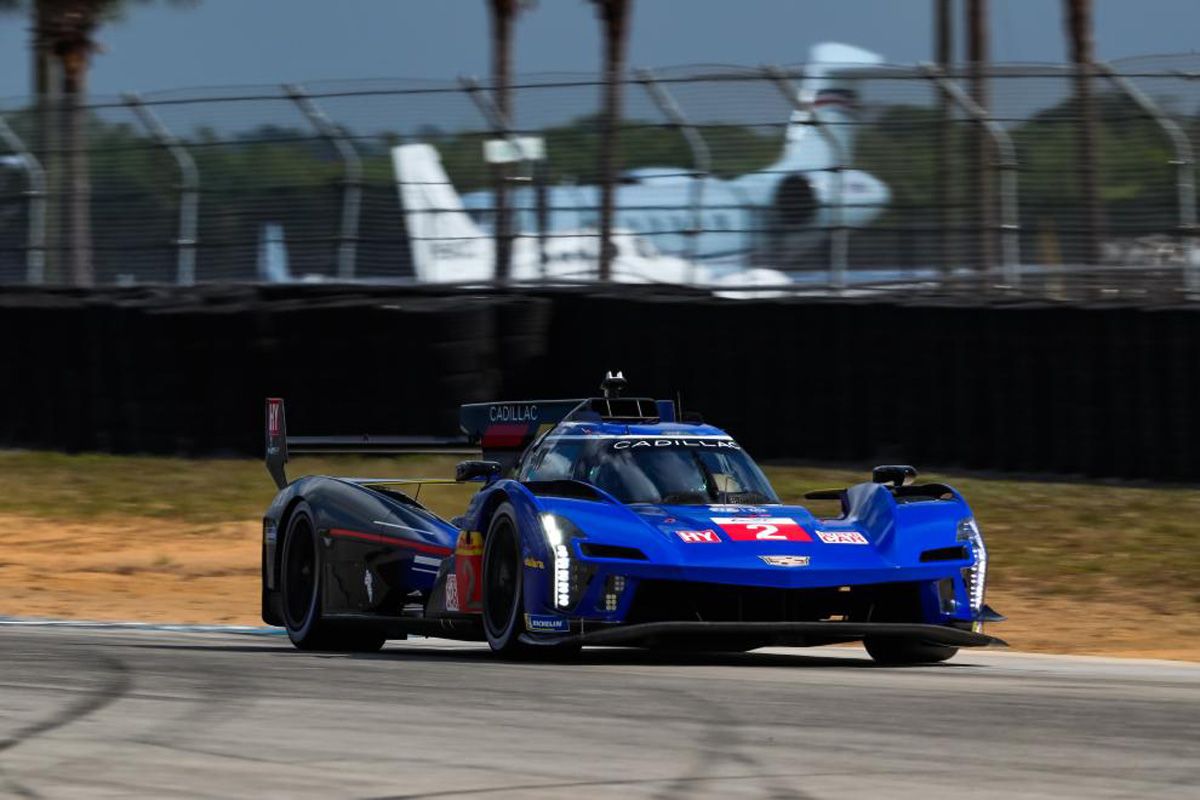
(616, 521)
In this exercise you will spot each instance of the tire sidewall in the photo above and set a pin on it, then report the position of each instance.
(302, 513)
(508, 639)
(898, 653)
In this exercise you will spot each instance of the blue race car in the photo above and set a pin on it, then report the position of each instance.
(615, 521)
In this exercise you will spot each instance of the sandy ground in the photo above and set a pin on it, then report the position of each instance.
(153, 570)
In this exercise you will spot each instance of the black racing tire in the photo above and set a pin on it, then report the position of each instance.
(503, 585)
(300, 591)
(901, 652)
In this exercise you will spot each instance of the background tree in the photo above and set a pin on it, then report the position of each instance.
(63, 42)
(1078, 18)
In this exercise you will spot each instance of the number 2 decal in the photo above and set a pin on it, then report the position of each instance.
(767, 532)
(763, 529)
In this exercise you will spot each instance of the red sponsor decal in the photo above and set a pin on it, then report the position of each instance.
(842, 537)
(763, 529)
(699, 537)
(274, 405)
(505, 435)
(468, 571)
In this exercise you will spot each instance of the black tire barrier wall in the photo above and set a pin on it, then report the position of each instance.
(1032, 388)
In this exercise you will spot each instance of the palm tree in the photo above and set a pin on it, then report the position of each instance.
(503, 14)
(615, 16)
(978, 62)
(64, 39)
(1078, 20)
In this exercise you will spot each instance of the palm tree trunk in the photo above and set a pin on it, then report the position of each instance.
(1079, 29)
(78, 179)
(503, 12)
(46, 130)
(944, 57)
(615, 14)
(982, 160)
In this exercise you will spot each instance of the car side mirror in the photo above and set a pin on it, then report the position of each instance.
(896, 474)
(476, 470)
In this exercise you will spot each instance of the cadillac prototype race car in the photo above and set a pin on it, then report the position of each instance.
(615, 521)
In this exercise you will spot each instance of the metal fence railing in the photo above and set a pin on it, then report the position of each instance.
(885, 176)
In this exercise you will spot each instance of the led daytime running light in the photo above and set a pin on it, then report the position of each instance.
(976, 574)
(561, 565)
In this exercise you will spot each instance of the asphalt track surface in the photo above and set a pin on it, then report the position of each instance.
(120, 713)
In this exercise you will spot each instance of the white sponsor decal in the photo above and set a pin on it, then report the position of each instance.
(723, 437)
(451, 593)
(786, 561)
(842, 537)
(630, 444)
(699, 537)
(513, 412)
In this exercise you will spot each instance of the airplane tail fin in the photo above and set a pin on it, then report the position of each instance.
(446, 244)
(829, 92)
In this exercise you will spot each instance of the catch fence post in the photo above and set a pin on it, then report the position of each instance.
(352, 176)
(189, 188)
(1184, 163)
(840, 234)
(502, 127)
(1010, 221)
(35, 245)
(701, 157)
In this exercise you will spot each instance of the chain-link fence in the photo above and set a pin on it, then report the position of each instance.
(878, 176)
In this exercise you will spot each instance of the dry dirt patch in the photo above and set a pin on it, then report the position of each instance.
(134, 568)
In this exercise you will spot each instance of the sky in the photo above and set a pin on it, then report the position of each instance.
(230, 42)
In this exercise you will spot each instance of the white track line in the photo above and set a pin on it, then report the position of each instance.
(244, 630)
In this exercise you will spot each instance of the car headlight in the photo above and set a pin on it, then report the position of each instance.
(974, 576)
(567, 584)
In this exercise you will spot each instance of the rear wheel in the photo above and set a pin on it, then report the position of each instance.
(898, 652)
(300, 586)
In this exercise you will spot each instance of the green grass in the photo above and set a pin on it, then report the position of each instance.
(1061, 537)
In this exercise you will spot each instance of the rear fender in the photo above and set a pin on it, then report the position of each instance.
(376, 550)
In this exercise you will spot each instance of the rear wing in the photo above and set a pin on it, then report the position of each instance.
(280, 446)
(502, 430)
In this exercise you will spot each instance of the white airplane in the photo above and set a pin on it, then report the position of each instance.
(793, 202)
(449, 247)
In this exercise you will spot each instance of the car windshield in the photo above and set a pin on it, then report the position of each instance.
(656, 469)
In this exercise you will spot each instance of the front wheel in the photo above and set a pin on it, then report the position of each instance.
(503, 596)
(900, 652)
